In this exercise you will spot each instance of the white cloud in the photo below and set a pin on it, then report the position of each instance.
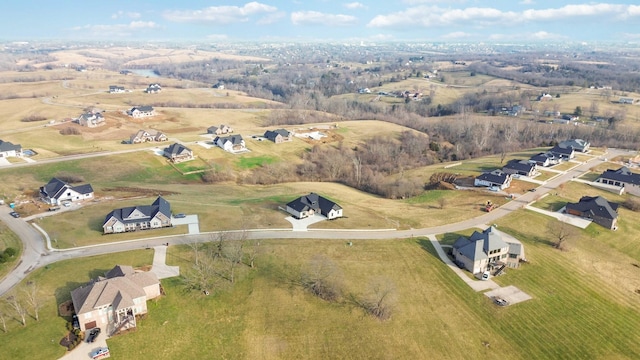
(435, 16)
(127, 14)
(355, 5)
(417, 2)
(527, 2)
(218, 37)
(537, 36)
(116, 30)
(457, 35)
(318, 18)
(220, 14)
(271, 18)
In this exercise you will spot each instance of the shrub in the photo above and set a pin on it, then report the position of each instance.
(10, 252)
(632, 204)
(33, 117)
(70, 131)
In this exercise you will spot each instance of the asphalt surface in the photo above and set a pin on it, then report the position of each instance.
(36, 255)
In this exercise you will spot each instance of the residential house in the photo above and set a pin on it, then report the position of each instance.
(486, 250)
(178, 153)
(496, 178)
(520, 167)
(563, 153)
(112, 302)
(570, 117)
(577, 145)
(278, 136)
(309, 205)
(153, 88)
(622, 177)
(231, 143)
(626, 100)
(223, 129)
(603, 212)
(57, 191)
(141, 111)
(115, 89)
(91, 119)
(147, 136)
(141, 217)
(544, 159)
(219, 85)
(545, 97)
(8, 149)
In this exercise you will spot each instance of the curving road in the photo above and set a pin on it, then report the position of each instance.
(36, 254)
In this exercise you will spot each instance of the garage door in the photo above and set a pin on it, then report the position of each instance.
(90, 325)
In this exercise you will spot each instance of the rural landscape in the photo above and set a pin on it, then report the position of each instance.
(319, 201)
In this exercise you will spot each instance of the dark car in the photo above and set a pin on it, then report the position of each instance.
(75, 322)
(93, 335)
(14, 214)
(180, 216)
(500, 301)
(532, 189)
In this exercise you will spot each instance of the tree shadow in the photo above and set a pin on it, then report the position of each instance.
(426, 245)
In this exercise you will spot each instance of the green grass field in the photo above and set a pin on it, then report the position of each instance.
(8, 239)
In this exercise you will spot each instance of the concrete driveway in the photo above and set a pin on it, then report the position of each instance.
(302, 224)
(83, 351)
(191, 221)
(566, 218)
(510, 293)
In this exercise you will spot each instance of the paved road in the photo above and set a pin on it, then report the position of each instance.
(36, 254)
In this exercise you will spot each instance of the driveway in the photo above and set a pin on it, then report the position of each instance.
(566, 218)
(160, 267)
(4, 162)
(191, 221)
(510, 293)
(302, 224)
(83, 350)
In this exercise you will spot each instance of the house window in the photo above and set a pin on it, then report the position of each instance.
(513, 256)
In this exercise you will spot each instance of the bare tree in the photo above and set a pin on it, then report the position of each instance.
(442, 202)
(593, 109)
(19, 309)
(322, 278)
(380, 301)
(561, 232)
(195, 245)
(32, 297)
(3, 319)
(233, 252)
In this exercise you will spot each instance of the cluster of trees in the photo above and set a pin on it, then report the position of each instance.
(323, 278)
(217, 262)
(19, 305)
(7, 254)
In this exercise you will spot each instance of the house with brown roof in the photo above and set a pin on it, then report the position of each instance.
(178, 153)
(278, 136)
(219, 130)
(114, 301)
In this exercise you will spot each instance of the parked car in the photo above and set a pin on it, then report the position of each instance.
(100, 353)
(500, 301)
(66, 204)
(180, 216)
(93, 335)
(14, 214)
(75, 322)
(532, 189)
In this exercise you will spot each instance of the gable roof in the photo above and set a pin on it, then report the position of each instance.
(520, 165)
(272, 134)
(597, 206)
(561, 151)
(623, 174)
(315, 202)
(495, 176)
(233, 139)
(574, 143)
(176, 149)
(160, 205)
(118, 290)
(479, 244)
(7, 146)
(55, 188)
(543, 156)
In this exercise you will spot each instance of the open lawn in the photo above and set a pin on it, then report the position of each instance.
(39, 340)
(572, 192)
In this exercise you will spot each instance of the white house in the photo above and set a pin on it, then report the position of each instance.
(57, 191)
(8, 149)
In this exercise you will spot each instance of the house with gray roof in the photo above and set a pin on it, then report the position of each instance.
(219, 130)
(116, 89)
(602, 211)
(563, 153)
(485, 250)
(544, 159)
(141, 111)
(140, 217)
(56, 191)
(623, 177)
(91, 119)
(278, 136)
(113, 302)
(231, 143)
(311, 204)
(520, 167)
(496, 178)
(153, 88)
(577, 145)
(177, 153)
(8, 149)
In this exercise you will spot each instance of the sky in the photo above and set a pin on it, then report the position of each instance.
(321, 20)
